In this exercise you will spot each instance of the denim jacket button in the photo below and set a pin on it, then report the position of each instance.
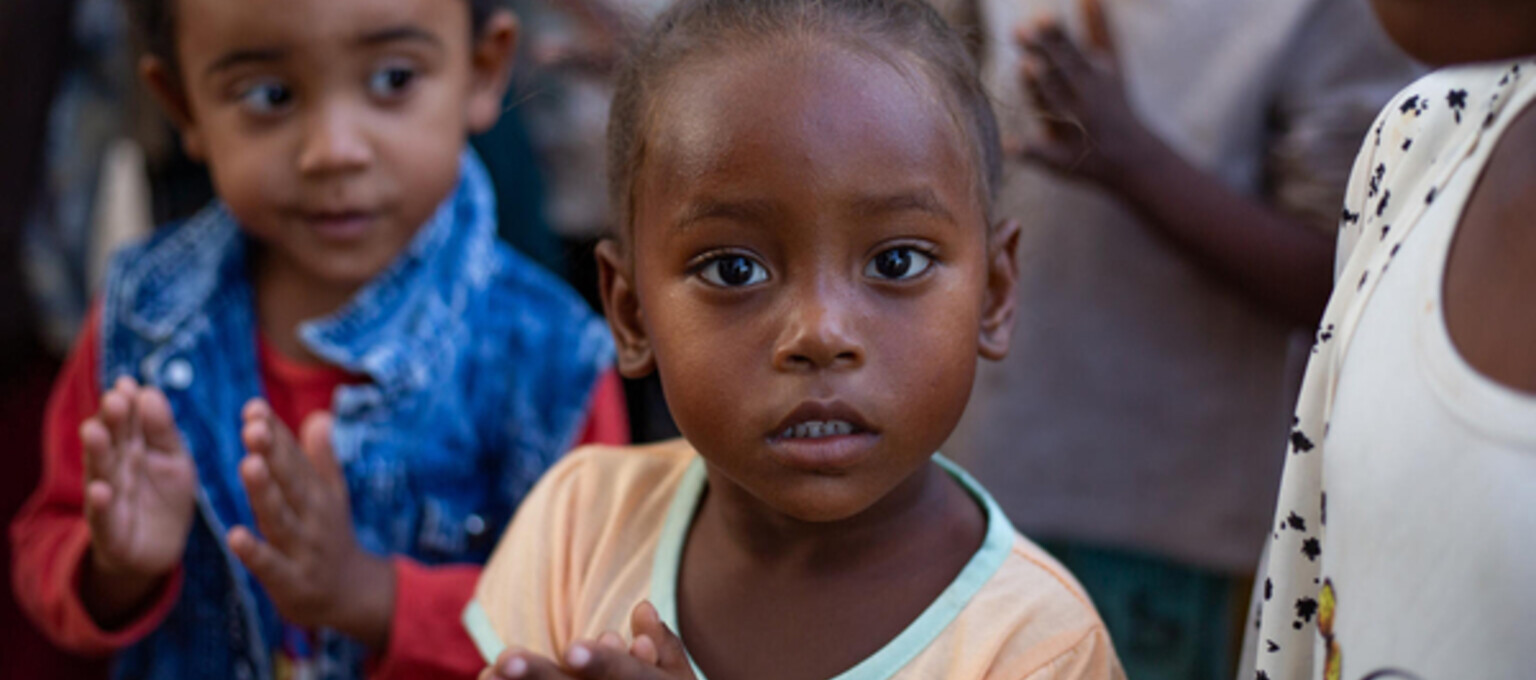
(474, 525)
(178, 374)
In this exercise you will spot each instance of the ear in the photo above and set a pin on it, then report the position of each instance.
(491, 69)
(615, 281)
(164, 84)
(1002, 275)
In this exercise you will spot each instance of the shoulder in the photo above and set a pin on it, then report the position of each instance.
(1489, 279)
(605, 479)
(1044, 623)
(158, 283)
(1033, 578)
(592, 520)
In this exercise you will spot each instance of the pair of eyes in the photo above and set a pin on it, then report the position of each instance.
(270, 96)
(736, 270)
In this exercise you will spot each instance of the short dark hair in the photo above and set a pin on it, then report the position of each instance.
(893, 30)
(154, 24)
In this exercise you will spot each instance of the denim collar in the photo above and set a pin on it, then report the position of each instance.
(388, 331)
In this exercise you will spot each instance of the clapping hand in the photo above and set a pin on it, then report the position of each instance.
(655, 654)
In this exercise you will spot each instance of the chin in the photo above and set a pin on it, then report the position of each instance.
(821, 502)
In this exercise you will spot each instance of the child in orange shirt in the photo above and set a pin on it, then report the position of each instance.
(806, 255)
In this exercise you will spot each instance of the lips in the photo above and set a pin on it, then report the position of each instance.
(815, 419)
(339, 225)
(823, 437)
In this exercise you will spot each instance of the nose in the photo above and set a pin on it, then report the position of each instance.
(820, 332)
(334, 142)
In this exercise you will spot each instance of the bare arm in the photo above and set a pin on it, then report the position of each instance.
(1091, 133)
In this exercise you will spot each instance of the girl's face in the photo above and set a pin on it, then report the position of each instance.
(811, 271)
(1440, 32)
(332, 129)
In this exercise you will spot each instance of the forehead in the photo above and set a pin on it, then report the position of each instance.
(208, 26)
(810, 123)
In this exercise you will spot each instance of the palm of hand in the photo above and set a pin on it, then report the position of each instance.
(1090, 128)
(153, 508)
(141, 482)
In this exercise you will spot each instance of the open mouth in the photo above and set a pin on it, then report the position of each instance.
(817, 429)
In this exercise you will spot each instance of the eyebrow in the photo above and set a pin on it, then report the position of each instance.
(735, 211)
(388, 35)
(238, 57)
(921, 200)
(405, 33)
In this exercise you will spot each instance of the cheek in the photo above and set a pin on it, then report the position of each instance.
(703, 362)
(249, 176)
(931, 349)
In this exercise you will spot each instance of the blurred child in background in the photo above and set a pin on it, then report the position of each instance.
(349, 265)
(1180, 167)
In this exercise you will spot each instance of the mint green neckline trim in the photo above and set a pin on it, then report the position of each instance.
(480, 631)
(897, 653)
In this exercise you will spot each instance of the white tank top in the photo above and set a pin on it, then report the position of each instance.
(1404, 543)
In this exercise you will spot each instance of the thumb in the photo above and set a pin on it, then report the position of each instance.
(315, 439)
(671, 655)
(1055, 156)
(1097, 24)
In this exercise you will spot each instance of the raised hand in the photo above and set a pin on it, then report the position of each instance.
(655, 654)
(140, 486)
(310, 562)
(1089, 129)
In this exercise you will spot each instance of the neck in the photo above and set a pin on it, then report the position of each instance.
(929, 503)
(287, 296)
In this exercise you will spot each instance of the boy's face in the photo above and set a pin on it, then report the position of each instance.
(807, 248)
(332, 128)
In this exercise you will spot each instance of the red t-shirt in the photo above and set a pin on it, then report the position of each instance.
(51, 538)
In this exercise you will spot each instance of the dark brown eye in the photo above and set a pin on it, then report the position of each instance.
(391, 81)
(898, 263)
(733, 271)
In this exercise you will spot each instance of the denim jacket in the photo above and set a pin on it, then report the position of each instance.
(480, 367)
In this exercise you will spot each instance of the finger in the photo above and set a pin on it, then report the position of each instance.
(98, 504)
(595, 662)
(611, 640)
(1052, 155)
(1048, 92)
(1053, 44)
(670, 653)
(96, 447)
(274, 511)
(115, 408)
(319, 450)
(519, 664)
(158, 425)
(644, 649)
(265, 436)
(1097, 23)
(268, 565)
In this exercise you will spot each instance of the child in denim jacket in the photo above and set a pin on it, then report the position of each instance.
(349, 266)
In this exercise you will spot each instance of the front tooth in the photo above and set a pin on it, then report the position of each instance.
(816, 429)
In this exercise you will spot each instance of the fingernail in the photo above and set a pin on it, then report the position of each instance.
(578, 657)
(516, 667)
